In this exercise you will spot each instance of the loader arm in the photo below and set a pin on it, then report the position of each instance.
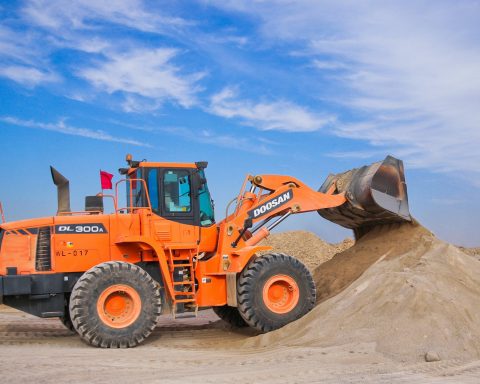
(270, 197)
(359, 199)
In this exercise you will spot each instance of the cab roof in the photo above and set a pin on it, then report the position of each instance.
(153, 164)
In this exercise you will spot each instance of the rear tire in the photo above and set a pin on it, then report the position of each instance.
(274, 290)
(230, 315)
(115, 305)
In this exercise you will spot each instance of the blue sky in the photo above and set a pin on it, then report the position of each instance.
(290, 87)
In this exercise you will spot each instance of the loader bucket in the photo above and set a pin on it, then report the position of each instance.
(376, 194)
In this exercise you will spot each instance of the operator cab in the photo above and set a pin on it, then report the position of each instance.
(177, 191)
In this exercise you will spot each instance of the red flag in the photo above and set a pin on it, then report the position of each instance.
(106, 180)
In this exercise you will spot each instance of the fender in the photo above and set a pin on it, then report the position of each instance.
(240, 259)
(162, 259)
(242, 256)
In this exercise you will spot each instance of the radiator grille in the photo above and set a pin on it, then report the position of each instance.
(43, 257)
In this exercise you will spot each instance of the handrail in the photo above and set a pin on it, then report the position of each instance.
(117, 209)
(79, 213)
(131, 207)
(114, 198)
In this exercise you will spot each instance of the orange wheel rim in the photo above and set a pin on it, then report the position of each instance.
(119, 306)
(281, 294)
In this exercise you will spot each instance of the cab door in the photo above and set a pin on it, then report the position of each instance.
(176, 218)
(177, 197)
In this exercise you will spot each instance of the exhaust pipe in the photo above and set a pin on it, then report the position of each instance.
(63, 190)
(376, 194)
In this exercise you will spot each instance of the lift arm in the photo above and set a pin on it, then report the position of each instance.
(270, 197)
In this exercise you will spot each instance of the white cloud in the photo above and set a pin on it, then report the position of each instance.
(15, 46)
(23, 61)
(86, 14)
(146, 76)
(324, 64)
(274, 115)
(408, 72)
(81, 42)
(27, 76)
(206, 136)
(62, 127)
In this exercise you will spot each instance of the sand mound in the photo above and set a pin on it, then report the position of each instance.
(471, 251)
(399, 288)
(306, 247)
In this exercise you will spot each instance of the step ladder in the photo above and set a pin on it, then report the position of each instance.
(184, 291)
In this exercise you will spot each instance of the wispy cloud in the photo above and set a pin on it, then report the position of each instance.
(361, 154)
(87, 14)
(113, 61)
(62, 127)
(328, 64)
(15, 46)
(147, 77)
(207, 136)
(22, 61)
(279, 115)
(408, 73)
(27, 76)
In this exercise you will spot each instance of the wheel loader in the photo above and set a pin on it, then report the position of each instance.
(109, 276)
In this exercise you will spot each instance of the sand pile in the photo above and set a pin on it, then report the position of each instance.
(472, 251)
(399, 289)
(306, 247)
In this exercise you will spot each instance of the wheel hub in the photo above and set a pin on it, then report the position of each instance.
(281, 294)
(119, 305)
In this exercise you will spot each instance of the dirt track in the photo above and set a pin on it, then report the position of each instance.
(199, 350)
(347, 338)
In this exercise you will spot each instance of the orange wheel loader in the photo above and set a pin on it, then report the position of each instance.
(109, 277)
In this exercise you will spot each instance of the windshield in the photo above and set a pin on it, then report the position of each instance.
(176, 196)
(176, 190)
(207, 216)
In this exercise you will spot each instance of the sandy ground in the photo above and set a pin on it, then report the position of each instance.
(201, 350)
(382, 303)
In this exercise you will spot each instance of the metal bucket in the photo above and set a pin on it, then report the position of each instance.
(376, 194)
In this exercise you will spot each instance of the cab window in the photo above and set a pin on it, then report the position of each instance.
(207, 216)
(153, 188)
(177, 193)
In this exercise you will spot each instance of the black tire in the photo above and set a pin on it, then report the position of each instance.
(65, 319)
(89, 288)
(230, 315)
(250, 286)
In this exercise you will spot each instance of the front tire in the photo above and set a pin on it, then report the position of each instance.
(115, 305)
(274, 290)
